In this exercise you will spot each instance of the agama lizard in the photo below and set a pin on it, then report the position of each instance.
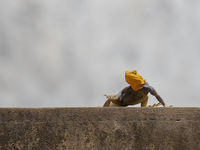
(135, 93)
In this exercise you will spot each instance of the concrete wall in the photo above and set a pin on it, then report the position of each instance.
(100, 128)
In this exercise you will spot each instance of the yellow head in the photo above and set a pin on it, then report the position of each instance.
(134, 79)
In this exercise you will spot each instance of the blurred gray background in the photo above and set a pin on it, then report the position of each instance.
(71, 53)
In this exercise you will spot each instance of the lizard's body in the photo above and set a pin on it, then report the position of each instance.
(128, 96)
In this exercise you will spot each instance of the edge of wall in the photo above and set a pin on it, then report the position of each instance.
(100, 128)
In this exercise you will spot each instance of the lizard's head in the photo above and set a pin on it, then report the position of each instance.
(134, 79)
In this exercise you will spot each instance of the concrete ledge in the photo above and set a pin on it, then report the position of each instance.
(100, 128)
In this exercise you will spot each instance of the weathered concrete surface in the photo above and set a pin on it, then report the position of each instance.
(100, 128)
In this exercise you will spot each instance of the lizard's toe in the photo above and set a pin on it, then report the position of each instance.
(155, 105)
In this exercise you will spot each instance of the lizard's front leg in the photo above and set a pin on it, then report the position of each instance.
(154, 93)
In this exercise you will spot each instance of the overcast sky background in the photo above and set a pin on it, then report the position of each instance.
(71, 53)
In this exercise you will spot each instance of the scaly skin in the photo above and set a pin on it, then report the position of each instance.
(130, 97)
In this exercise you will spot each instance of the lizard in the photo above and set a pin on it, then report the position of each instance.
(135, 93)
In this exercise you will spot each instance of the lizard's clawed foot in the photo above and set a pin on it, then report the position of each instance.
(155, 105)
(112, 98)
